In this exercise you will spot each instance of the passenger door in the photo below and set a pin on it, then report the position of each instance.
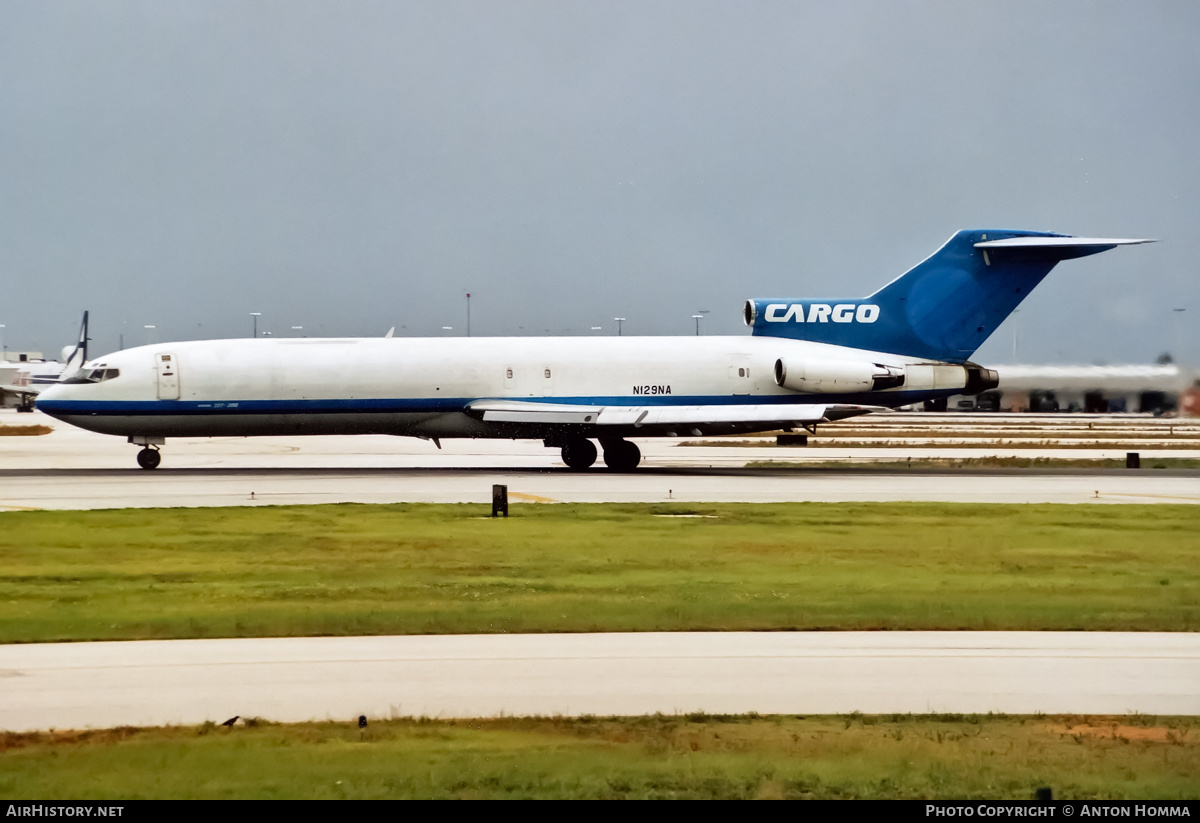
(168, 376)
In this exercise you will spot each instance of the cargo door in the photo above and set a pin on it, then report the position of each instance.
(168, 376)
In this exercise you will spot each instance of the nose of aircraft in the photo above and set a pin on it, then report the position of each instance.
(48, 399)
(51, 393)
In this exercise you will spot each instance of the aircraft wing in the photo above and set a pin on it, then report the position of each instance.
(757, 415)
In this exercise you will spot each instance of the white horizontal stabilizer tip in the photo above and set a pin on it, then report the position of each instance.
(1057, 242)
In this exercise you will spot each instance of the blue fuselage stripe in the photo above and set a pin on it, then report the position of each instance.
(438, 405)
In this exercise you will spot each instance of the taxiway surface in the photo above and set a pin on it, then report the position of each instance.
(150, 683)
(74, 469)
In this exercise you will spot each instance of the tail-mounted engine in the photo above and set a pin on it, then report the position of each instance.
(837, 376)
(980, 379)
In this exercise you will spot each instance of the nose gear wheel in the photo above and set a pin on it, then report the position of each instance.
(149, 458)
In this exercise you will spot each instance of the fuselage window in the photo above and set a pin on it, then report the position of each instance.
(547, 374)
(741, 372)
(508, 374)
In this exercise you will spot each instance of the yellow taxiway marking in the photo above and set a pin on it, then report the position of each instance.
(531, 498)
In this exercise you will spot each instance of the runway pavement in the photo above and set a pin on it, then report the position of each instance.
(74, 469)
(62, 686)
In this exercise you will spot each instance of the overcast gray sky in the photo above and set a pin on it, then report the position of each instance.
(350, 166)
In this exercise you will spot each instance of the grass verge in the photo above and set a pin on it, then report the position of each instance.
(977, 463)
(948, 443)
(694, 756)
(433, 569)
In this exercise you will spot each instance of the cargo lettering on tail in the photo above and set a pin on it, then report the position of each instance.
(821, 313)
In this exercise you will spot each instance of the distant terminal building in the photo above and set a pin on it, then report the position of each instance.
(1157, 389)
(21, 356)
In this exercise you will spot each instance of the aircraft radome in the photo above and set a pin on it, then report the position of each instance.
(805, 362)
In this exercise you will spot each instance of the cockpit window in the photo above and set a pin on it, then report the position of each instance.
(94, 376)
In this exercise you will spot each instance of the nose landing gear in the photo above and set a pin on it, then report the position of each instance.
(149, 458)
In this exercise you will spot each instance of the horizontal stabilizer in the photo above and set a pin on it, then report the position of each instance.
(756, 415)
(1058, 242)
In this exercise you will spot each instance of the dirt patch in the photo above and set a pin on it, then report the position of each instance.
(1119, 731)
(24, 431)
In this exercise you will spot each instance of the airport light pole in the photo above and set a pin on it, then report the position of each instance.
(1179, 327)
(149, 333)
(619, 320)
(698, 318)
(256, 315)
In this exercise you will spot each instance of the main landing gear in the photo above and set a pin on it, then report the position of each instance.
(619, 455)
(578, 453)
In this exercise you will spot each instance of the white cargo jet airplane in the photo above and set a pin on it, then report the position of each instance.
(806, 362)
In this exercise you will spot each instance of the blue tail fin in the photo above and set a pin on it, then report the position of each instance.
(943, 308)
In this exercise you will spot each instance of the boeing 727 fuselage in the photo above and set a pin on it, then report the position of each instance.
(806, 362)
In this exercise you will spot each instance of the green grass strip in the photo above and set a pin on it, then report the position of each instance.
(421, 569)
(982, 463)
(986, 757)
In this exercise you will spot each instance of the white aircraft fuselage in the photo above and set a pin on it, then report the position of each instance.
(442, 387)
(805, 362)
